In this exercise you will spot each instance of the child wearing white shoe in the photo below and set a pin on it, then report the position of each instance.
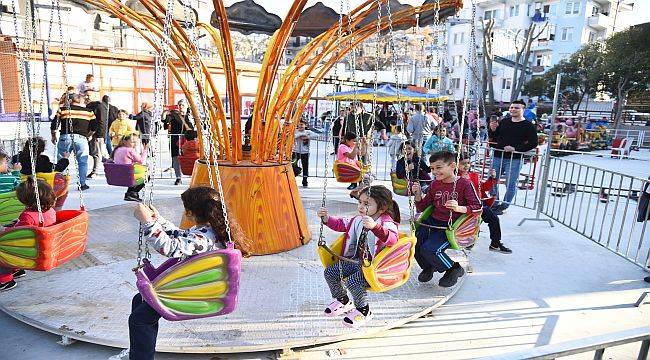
(366, 235)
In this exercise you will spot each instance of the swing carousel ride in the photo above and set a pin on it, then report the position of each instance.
(260, 192)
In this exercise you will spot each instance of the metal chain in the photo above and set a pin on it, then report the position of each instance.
(400, 114)
(64, 51)
(375, 80)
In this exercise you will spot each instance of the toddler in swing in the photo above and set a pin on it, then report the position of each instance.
(348, 152)
(203, 206)
(125, 153)
(450, 196)
(26, 194)
(378, 219)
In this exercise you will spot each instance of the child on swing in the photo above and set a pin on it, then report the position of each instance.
(488, 216)
(203, 205)
(378, 216)
(449, 195)
(348, 152)
(26, 194)
(125, 153)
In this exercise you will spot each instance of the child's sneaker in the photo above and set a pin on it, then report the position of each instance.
(426, 275)
(337, 308)
(500, 248)
(450, 278)
(19, 273)
(355, 318)
(8, 285)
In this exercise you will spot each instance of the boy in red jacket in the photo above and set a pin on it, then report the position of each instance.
(488, 215)
(450, 196)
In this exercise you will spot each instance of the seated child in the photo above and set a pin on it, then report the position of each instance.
(26, 194)
(8, 180)
(191, 145)
(203, 205)
(417, 168)
(446, 201)
(43, 164)
(348, 152)
(438, 142)
(125, 153)
(487, 200)
(378, 218)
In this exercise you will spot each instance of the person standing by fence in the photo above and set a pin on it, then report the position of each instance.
(513, 136)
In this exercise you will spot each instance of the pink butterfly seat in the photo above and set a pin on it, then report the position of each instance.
(390, 268)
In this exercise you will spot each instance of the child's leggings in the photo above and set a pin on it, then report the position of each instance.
(143, 330)
(431, 246)
(356, 283)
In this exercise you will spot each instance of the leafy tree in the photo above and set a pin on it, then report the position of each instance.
(582, 74)
(626, 64)
(537, 86)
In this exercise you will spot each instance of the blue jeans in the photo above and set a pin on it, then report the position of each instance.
(109, 144)
(80, 144)
(143, 330)
(509, 168)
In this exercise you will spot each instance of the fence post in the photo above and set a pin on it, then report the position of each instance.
(547, 159)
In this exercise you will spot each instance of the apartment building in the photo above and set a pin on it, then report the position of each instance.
(566, 24)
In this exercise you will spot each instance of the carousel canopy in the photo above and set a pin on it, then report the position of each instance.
(385, 93)
(247, 16)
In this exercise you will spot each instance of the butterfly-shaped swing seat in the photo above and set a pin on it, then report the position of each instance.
(388, 270)
(124, 174)
(400, 186)
(200, 286)
(462, 234)
(44, 248)
(58, 181)
(349, 173)
(187, 163)
(10, 207)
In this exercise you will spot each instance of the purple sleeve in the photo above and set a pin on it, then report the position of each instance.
(426, 201)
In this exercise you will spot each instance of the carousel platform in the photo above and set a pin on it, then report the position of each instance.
(280, 301)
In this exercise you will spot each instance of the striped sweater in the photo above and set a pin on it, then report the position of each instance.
(76, 120)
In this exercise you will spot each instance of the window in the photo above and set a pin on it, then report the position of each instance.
(542, 60)
(491, 14)
(459, 38)
(455, 83)
(572, 7)
(595, 11)
(567, 34)
(514, 10)
(592, 36)
(430, 83)
(457, 60)
(506, 84)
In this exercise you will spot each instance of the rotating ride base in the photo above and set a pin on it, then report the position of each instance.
(281, 296)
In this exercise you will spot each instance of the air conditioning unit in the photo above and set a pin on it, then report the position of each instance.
(450, 92)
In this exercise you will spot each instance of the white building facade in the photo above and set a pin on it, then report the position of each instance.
(567, 24)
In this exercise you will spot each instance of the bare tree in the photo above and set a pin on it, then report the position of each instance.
(522, 56)
(488, 59)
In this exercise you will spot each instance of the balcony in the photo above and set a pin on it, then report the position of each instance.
(600, 22)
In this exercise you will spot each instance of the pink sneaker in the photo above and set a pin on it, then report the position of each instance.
(355, 319)
(336, 308)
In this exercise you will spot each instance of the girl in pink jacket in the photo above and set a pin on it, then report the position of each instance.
(366, 234)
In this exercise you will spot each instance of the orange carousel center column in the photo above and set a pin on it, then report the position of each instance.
(264, 200)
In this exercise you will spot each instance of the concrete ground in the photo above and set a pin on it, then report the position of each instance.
(557, 286)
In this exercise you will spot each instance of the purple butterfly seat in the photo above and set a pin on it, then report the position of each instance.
(200, 286)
